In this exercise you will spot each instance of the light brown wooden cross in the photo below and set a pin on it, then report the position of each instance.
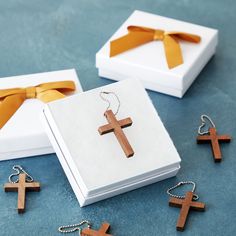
(116, 127)
(101, 232)
(214, 139)
(185, 204)
(21, 187)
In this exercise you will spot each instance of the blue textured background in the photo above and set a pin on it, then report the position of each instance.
(38, 36)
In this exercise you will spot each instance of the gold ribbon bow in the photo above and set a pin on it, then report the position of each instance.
(138, 35)
(12, 99)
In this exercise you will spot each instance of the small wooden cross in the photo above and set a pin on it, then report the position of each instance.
(101, 232)
(116, 127)
(185, 204)
(21, 187)
(214, 139)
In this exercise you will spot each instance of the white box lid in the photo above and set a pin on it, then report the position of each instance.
(24, 135)
(98, 162)
(148, 62)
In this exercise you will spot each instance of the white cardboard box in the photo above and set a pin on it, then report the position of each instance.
(148, 62)
(96, 165)
(24, 135)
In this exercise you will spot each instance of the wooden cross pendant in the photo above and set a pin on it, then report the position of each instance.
(21, 187)
(214, 139)
(116, 127)
(101, 232)
(185, 204)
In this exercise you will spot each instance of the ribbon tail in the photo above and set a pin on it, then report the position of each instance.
(50, 95)
(129, 41)
(173, 51)
(9, 106)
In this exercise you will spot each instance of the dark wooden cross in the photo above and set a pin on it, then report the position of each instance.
(21, 187)
(185, 204)
(116, 127)
(214, 139)
(101, 232)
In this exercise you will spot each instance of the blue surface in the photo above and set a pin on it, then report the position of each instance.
(38, 36)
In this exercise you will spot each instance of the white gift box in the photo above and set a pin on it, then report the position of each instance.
(95, 164)
(148, 62)
(24, 135)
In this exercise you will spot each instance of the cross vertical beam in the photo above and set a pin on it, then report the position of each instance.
(116, 126)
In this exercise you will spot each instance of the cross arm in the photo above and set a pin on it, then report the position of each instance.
(125, 122)
(105, 129)
(90, 232)
(34, 186)
(203, 139)
(109, 128)
(224, 138)
(176, 202)
(198, 206)
(11, 187)
(105, 227)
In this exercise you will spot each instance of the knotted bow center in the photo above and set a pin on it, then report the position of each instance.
(159, 35)
(30, 92)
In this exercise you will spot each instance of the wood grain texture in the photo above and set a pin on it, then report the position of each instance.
(101, 232)
(215, 141)
(186, 205)
(116, 126)
(21, 187)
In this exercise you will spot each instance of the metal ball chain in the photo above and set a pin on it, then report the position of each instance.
(75, 227)
(109, 103)
(203, 120)
(195, 196)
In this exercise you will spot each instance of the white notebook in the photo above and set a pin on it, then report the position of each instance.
(95, 164)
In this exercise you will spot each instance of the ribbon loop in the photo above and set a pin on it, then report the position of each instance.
(139, 35)
(12, 99)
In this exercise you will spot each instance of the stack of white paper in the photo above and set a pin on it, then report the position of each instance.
(24, 135)
(148, 62)
(96, 165)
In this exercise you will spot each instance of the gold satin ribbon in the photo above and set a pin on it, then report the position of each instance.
(12, 99)
(138, 35)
